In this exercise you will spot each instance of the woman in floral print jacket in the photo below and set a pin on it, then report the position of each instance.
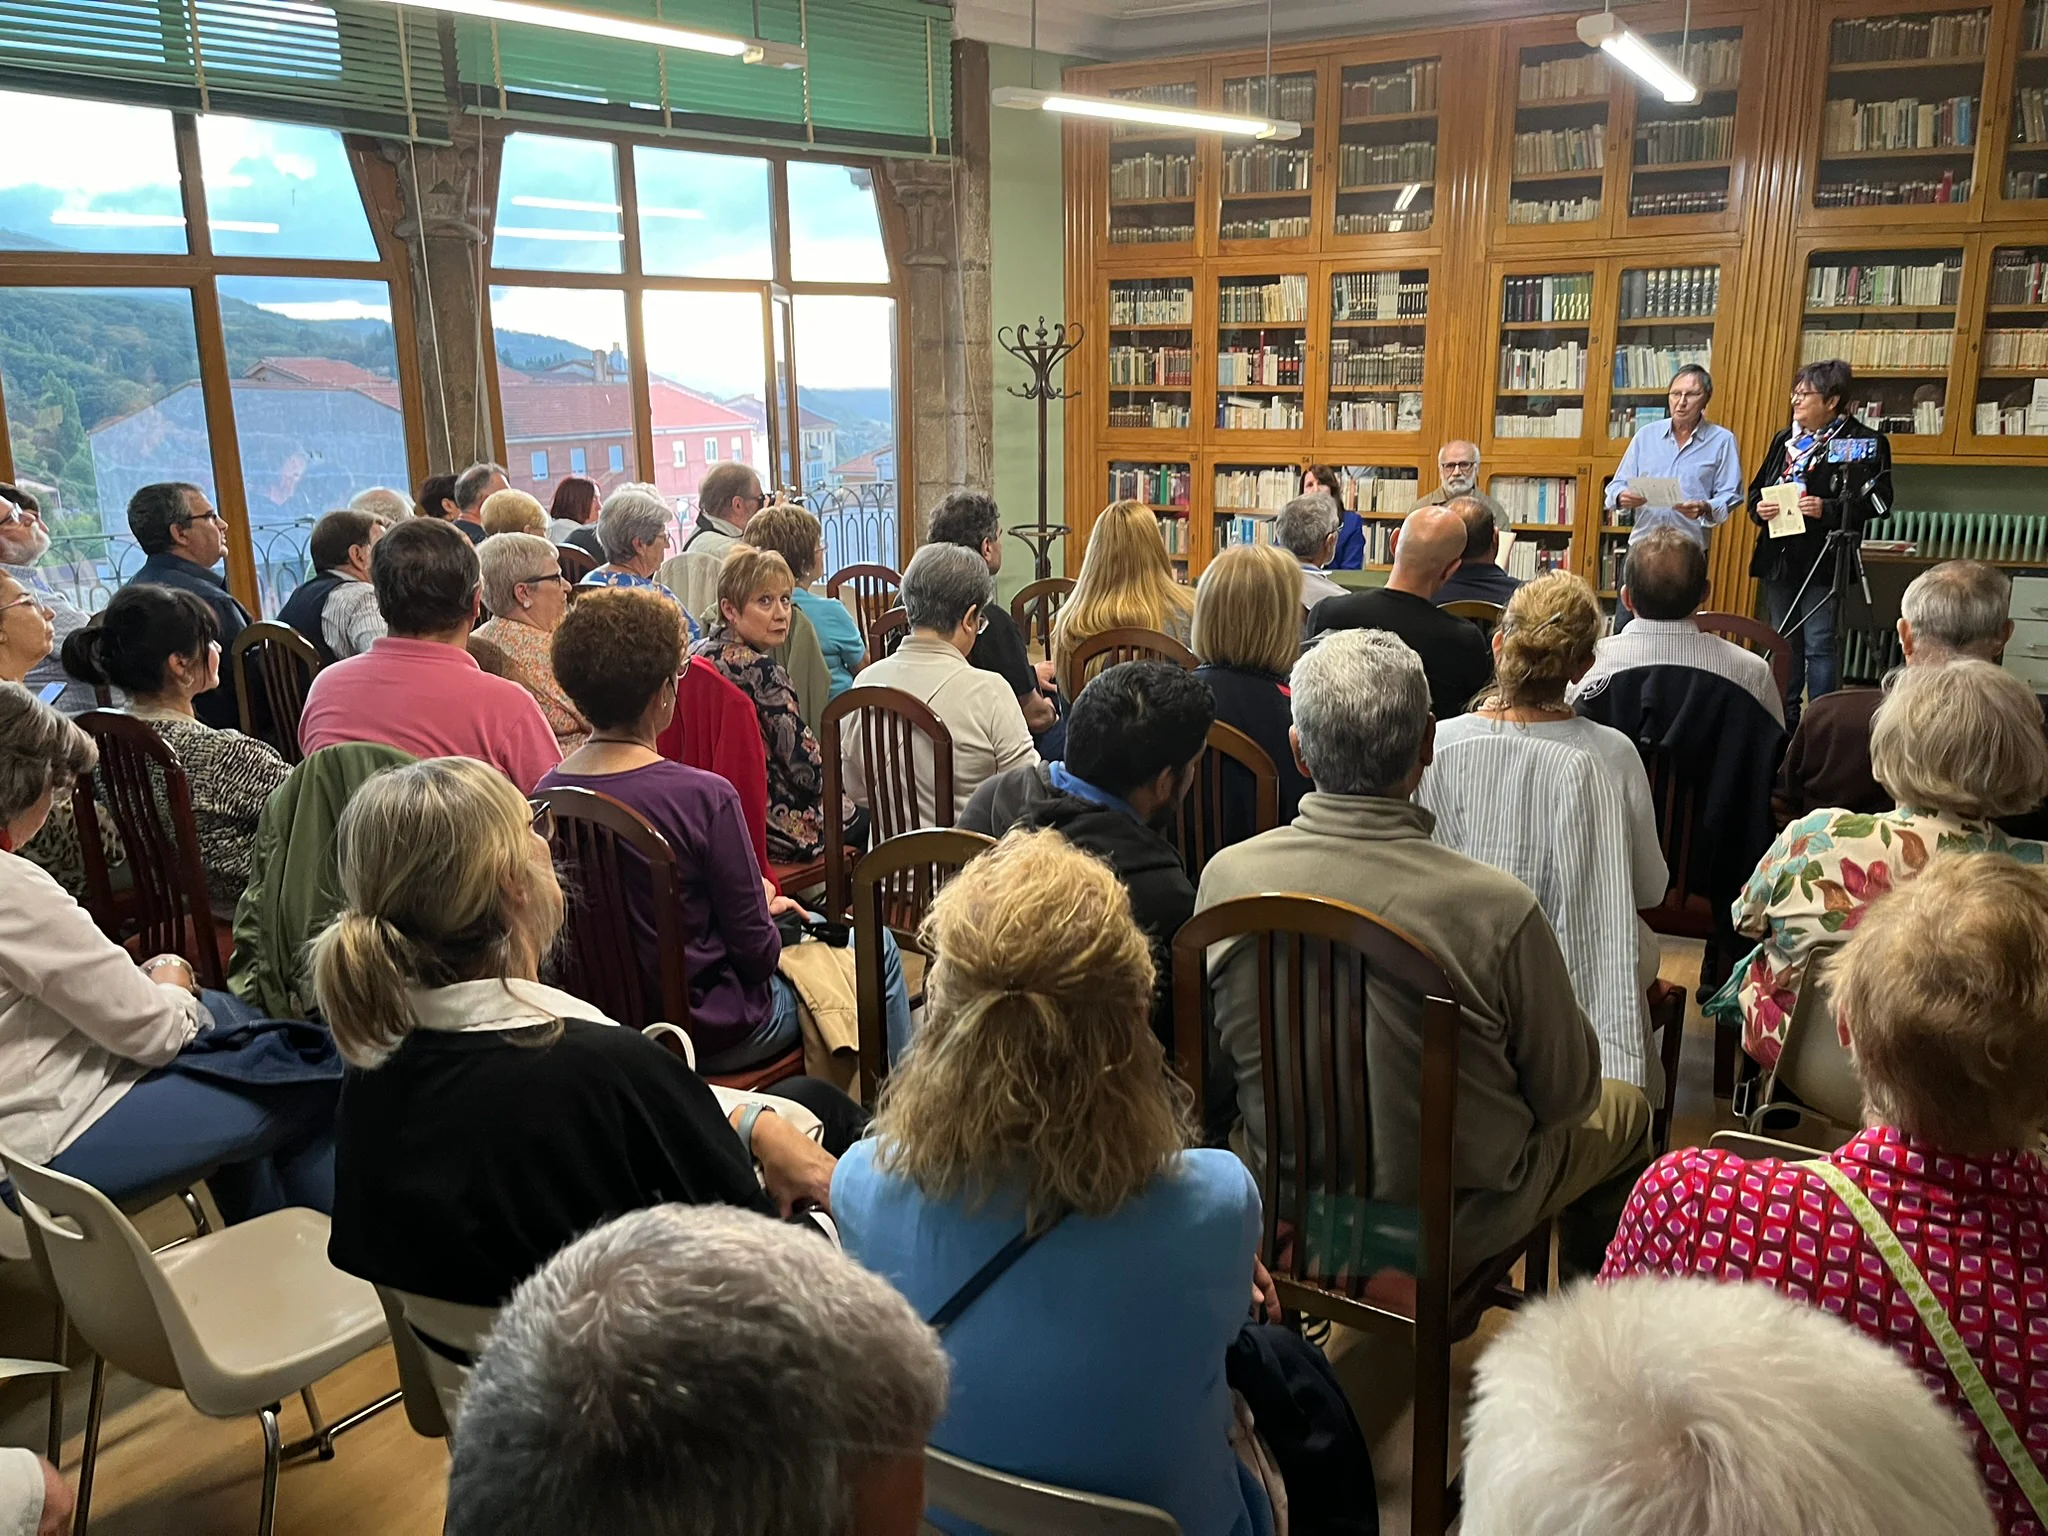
(1956, 745)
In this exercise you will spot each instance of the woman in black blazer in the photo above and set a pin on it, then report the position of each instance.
(1247, 634)
(1844, 470)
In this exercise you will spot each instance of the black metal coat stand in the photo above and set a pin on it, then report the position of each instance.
(1041, 351)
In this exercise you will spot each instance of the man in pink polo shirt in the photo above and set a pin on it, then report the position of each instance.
(417, 688)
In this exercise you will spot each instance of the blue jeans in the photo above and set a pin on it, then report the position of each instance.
(780, 1032)
(1812, 644)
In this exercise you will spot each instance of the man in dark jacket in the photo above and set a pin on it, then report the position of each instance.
(185, 538)
(1134, 737)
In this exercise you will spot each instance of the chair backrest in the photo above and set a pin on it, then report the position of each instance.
(1036, 608)
(1209, 816)
(436, 1343)
(1674, 801)
(1752, 635)
(1486, 615)
(875, 588)
(886, 723)
(886, 633)
(169, 910)
(1016, 1506)
(597, 841)
(1116, 645)
(893, 887)
(576, 564)
(1812, 1064)
(277, 664)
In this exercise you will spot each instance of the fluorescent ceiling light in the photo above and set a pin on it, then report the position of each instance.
(95, 218)
(1607, 31)
(670, 213)
(243, 226)
(748, 50)
(566, 204)
(1145, 112)
(508, 232)
(1408, 195)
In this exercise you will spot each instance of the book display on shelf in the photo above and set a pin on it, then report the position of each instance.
(1664, 323)
(2026, 143)
(1378, 490)
(1550, 500)
(1261, 341)
(1152, 172)
(1900, 122)
(1386, 148)
(1540, 382)
(2012, 362)
(1559, 150)
(1161, 486)
(1246, 497)
(1151, 357)
(1891, 316)
(1684, 154)
(1378, 346)
(1268, 188)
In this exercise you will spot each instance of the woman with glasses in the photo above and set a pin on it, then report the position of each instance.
(26, 630)
(1843, 470)
(527, 594)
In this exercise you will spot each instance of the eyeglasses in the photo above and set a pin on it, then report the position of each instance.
(11, 512)
(543, 823)
(199, 517)
(1450, 464)
(27, 599)
(534, 581)
(1803, 393)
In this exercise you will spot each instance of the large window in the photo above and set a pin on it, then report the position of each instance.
(114, 371)
(596, 244)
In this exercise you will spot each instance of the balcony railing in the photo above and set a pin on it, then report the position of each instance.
(90, 568)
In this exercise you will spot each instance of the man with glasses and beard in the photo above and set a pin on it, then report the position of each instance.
(184, 538)
(1458, 465)
(23, 541)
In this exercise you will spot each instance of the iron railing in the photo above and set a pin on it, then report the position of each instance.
(90, 568)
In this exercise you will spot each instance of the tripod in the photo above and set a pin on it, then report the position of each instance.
(1846, 546)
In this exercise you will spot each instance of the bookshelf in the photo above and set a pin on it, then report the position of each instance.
(1244, 497)
(1682, 158)
(1891, 315)
(2009, 401)
(1266, 189)
(1386, 148)
(1544, 510)
(2023, 175)
(1664, 320)
(1378, 345)
(1152, 355)
(1262, 323)
(1154, 173)
(1555, 169)
(1381, 494)
(1544, 357)
(1900, 124)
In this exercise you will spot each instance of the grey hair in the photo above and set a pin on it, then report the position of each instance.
(1361, 707)
(507, 559)
(382, 501)
(692, 1370)
(39, 749)
(470, 485)
(1963, 736)
(1959, 605)
(634, 513)
(1305, 524)
(1658, 1404)
(941, 583)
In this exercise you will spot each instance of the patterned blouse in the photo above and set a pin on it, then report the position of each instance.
(1973, 1225)
(796, 768)
(612, 576)
(1812, 888)
(230, 777)
(529, 662)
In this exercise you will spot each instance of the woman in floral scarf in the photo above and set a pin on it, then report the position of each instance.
(1956, 745)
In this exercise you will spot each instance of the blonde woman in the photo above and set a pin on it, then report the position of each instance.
(510, 511)
(488, 1120)
(1562, 804)
(1036, 1100)
(1247, 632)
(1126, 582)
(527, 594)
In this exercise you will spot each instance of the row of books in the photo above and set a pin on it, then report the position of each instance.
(1847, 125)
(1685, 140)
(1894, 192)
(1143, 303)
(1561, 149)
(1625, 421)
(1176, 93)
(1379, 295)
(1561, 367)
(1966, 535)
(1150, 174)
(1392, 362)
(1417, 216)
(1411, 88)
(1566, 298)
(1403, 413)
(1290, 96)
(2030, 117)
(1922, 418)
(1159, 485)
(1278, 301)
(2034, 27)
(1565, 421)
(1265, 228)
(1955, 35)
(2020, 277)
(1366, 165)
(1173, 533)
(1577, 74)
(2026, 186)
(1167, 367)
(1153, 415)
(1613, 554)
(2016, 349)
(1670, 293)
(1244, 528)
(1644, 367)
(2019, 420)
(1272, 488)
(1260, 365)
(1844, 285)
(1663, 205)
(1150, 234)
(1711, 63)
(1528, 559)
(1876, 350)
(1267, 168)
(1240, 413)
(1553, 210)
(1377, 490)
(1549, 499)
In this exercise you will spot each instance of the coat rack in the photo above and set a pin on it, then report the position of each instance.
(1041, 351)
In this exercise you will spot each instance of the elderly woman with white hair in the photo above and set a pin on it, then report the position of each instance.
(1956, 746)
(527, 594)
(633, 530)
(947, 591)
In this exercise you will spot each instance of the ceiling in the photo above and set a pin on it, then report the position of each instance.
(1125, 29)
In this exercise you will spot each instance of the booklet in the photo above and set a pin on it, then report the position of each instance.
(1782, 503)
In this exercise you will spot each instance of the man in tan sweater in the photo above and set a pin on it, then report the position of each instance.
(1539, 1131)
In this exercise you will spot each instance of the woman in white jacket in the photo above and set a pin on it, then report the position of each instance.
(86, 1035)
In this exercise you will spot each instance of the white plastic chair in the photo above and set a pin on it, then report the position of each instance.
(1016, 1506)
(237, 1319)
(1812, 1096)
(436, 1343)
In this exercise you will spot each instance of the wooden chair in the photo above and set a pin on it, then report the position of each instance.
(1486, 615)
(596, 842)
(888, 631)
(886, 723)
(1202, 823)
(893, 887)
(1118, 645)
(576, 564)
(1336, 1248)
(167, 910)
(876, 589)
(277, 663)
(1036, 608)
(1753, 635)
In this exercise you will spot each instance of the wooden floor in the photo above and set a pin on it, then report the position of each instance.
(165, 1468)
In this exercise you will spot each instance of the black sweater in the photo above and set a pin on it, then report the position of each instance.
(467, 1160)
(1851, 492)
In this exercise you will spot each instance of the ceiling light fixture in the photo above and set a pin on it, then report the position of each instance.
(670, 213)
(508, 232)
(565, 204)
(1144, 112)
(1607, 31)
(561, 18)
(96, 218)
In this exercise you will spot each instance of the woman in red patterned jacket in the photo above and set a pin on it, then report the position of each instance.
(1942, 999)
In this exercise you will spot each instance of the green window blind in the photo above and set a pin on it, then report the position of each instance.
(368, 69)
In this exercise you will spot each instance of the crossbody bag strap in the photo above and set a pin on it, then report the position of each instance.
(988, 1275)
(1976, 1390)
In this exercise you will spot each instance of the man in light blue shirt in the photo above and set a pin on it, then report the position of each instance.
(1685, 447)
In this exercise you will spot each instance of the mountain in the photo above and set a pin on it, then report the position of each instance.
(848, 406)
(529, 353)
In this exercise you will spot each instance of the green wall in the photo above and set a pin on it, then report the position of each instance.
(2003, 488)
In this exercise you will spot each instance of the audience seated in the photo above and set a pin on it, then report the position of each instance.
(618, 655)
(1563, 805)
(510, 511)
(89, 1041)
(1478, 578)
(437, 497)
(793, 533)
(473, 487)
(1540, 1132)
(381, 501)
(1350, 552)
(176, 527)
(1653, 1407)
(947, 595)
(1125, 582)
(1247, 636)
(1941, 999)
(698, 1370)
(1306, 528)
(156, 645)
(633, 530)
(572, 515)
(800, 654)
(336, 607)
(1035, 1093)
(1956, 746)
(1134, 739)
(418, 689)
(970, 520)
(1453, 652)
(1958, 608)
(34, 1498)
(527, 594)
(488, 1120)
(27, 630)
(727, 499)
(23, 542)
(754, 605)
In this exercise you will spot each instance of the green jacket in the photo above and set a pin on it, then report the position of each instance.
(294, 888)
(804, 660)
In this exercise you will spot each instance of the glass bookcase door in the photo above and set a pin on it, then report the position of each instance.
(1153, 172)
(1266, 189)
(1245, 495)
(1544, 373)
(1382, 495)
(1167, 487)
(1682, 158)
(1900, 122)
(1151, 358)
(2009, 411)
(1386, 151)
(1891, 316)
(1544, 512)
(1557, 151)
(2024, 174)
(1262, 352)
(1378, 342)
(1664, 321)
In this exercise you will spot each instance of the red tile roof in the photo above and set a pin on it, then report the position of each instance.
(326, 372)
